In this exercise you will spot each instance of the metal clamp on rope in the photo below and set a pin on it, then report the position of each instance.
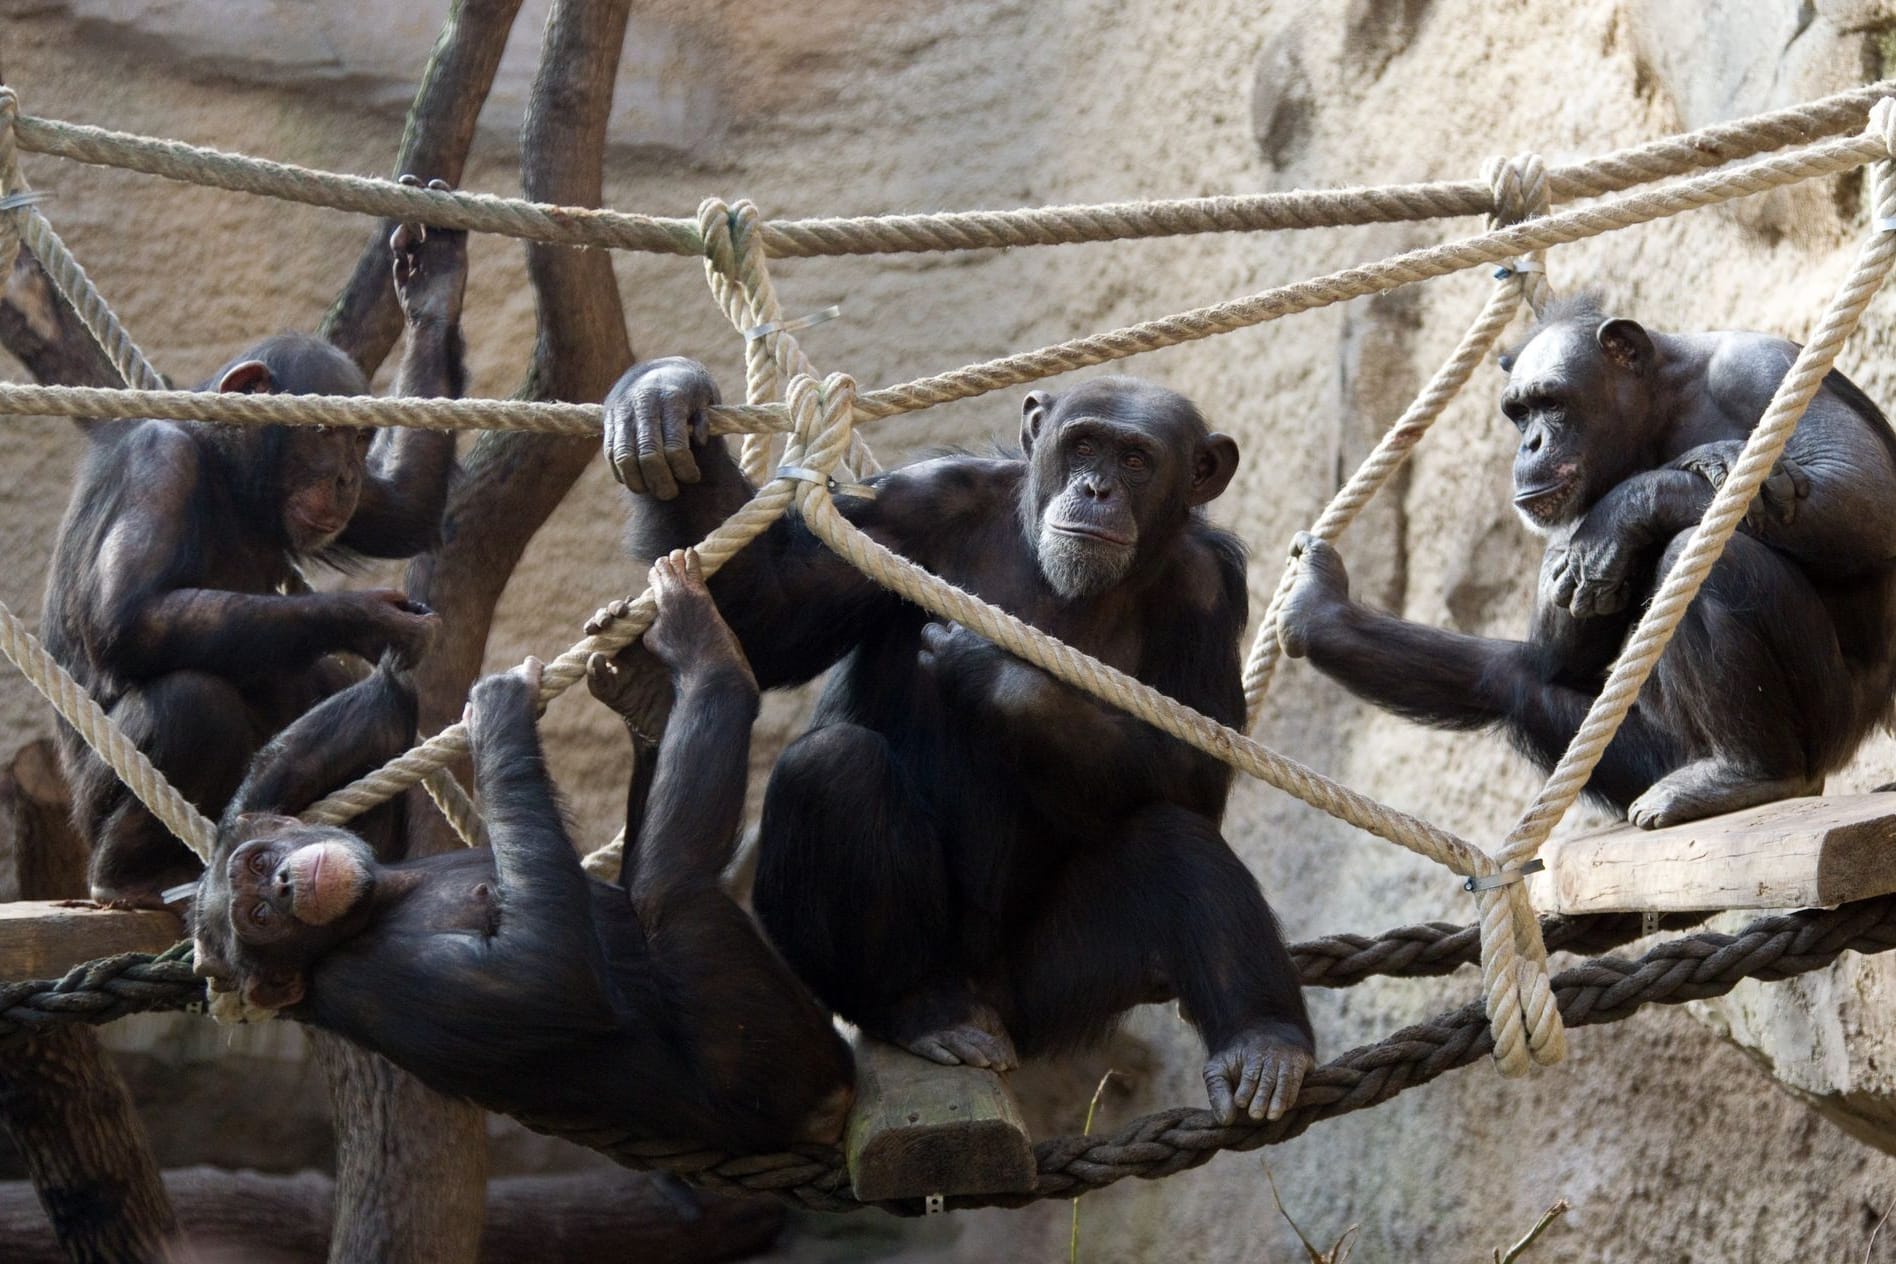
(1884, 223)
(803, 474)
(934, 1205)
(1505, 878)
(792, 326)
(1507, 270)
(14, 201)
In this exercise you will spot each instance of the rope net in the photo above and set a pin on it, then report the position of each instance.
(817, 419)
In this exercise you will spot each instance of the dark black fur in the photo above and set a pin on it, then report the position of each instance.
(618, 1012)
(959, 838)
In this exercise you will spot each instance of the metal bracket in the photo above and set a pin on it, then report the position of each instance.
(1505, 878)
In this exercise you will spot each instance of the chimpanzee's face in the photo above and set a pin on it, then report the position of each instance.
(1115, 463)
(321, 470)
(274, 899)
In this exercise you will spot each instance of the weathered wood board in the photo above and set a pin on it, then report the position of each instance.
(920, 1129)
(1797, 853)
(42, 939)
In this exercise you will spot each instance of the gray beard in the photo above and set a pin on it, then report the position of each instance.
(1077, 567)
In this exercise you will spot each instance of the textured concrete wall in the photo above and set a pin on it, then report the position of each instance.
(1669, 1137)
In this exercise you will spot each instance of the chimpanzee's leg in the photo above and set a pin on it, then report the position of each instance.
(1754, 678)
(200, 733)
(853, 889)
(1166, 909)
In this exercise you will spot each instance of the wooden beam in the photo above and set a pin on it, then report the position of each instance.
(1797, 853)
(42, 939)
(920, 1129)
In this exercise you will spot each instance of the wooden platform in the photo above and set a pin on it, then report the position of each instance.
(41, 939)
(919, 1129)
(1798, 853)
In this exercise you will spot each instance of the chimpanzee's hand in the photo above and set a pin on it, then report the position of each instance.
(493, 697)
(690, 636)
(430, 268)
(635, 685)
(391, 623)
(655, 416)
(1591, 575)
(971, 670)
(1322, 587)
(1258, 1074)
(1776, 502)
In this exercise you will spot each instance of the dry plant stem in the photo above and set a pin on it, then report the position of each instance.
(1553, 1213)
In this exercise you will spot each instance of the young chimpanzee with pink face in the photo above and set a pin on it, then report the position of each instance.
(1784, 663)
(652, 1008)
(963, 855)
(176, 595)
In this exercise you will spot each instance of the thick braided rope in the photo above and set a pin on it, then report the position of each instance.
(586, 226)
(77, 708)
(739, 274)
(1082, 671)
(1499, 246)
(1762, 450)
(1520, 186)
(457, 807)
(109, 988)
(93, 311)
(1600, 990)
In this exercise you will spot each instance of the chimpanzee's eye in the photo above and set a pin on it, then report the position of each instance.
(259, 863)
(1083, 447)
(260, 913)
(1135, 461)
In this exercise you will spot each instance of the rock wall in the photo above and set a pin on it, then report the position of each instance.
(1668, 1133)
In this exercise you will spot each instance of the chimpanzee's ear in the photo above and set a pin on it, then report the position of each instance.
(251, 377)
(1033, 411)
(273, 989)
(1212, 467)
(1626, 344)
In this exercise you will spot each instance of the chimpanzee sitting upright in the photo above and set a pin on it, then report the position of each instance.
(963, 855)
(1783, 664)
(175, 595)
(510, 977)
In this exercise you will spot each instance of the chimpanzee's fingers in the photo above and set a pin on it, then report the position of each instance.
(1564, 583)
(700, 424)
(678, 453)
(621, 439)
(653, 466)
(1247, 1094)
(933, 1049)
(440, 186)
(1290, 1076)
(694, 567)
(1218, 1090)
(532, 671)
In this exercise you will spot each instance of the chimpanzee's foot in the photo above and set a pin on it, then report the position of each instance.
(1710, 787)
(1258, 1073)
(825, 1123)
(977, 1040)
(1321, 586)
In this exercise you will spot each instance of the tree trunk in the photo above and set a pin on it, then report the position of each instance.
(62, 1102)
(607, 1216)
(411, 1164)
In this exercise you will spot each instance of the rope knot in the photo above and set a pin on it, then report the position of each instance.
(1882, 123)
(1520, 189)
(823, 420)
(715, 236)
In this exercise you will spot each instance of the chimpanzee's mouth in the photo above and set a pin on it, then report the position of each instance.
(1529, 496)
(1091, 533)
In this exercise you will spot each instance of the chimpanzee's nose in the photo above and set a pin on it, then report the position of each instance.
(1532, 443)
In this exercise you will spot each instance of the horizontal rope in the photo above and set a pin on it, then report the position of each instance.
(962, 230)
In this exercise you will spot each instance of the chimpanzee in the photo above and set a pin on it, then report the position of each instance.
(175, 595)
(964, 856)
(508, 976)
(1783, 664)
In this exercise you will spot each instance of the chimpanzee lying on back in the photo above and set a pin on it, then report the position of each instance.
(511, 978)
(1786, 660)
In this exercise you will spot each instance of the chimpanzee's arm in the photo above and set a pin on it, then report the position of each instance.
(545, 901)
(342, 738)
(796, 607)
(405, 489)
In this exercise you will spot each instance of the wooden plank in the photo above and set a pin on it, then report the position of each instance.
(920, 1129)
(1797, 853)
(42, 939)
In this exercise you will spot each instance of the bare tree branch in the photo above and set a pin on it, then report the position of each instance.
(365, 320)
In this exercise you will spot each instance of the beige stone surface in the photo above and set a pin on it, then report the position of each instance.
(1671, 1142)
